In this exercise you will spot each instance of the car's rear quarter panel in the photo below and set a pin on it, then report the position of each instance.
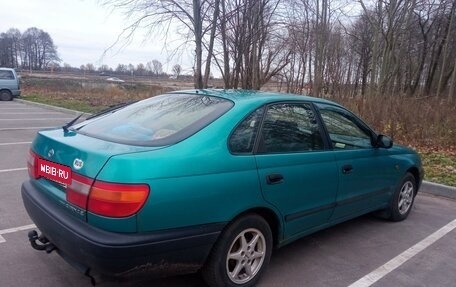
(196, 181)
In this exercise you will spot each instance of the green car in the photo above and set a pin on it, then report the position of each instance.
(208, 180)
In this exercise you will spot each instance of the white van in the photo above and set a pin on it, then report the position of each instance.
(9, 84)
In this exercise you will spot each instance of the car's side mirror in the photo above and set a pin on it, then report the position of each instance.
(384, 141)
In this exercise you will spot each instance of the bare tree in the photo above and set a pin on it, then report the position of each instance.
(121, 69)
(159, 16)
(103, 68)
(443, 70)
(177, 70)
(140, 69)
(157, 67)
(34, 49)
(360, 41)
(38, 49)
(251, 36)
(131, 69)
(89, 67)
(10, 48)
(67, 67)
(383, 47)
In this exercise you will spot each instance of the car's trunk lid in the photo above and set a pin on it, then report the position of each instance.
(63, 158)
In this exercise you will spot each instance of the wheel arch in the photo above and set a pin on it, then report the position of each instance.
(271, 218)
(5, 90)
(416, 174)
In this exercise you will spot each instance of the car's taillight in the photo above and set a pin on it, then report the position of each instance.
(117, 200)
(106, 198)
(78, 192)
(32, 165)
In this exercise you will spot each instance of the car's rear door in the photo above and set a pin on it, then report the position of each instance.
(296, 172)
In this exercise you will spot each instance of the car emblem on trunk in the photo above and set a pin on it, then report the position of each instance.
(51, 152)
(77, 163)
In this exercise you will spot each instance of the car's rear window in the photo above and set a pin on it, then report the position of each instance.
(158, 121)
(6, 75)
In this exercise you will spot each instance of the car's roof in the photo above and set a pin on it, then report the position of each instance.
(9, 69)
(237, 95)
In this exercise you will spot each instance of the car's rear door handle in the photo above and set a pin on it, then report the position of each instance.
(347, 168)
(274, 178)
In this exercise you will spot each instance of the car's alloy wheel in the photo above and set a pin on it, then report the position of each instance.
(241, 253)
(246, 256)
(403, 199)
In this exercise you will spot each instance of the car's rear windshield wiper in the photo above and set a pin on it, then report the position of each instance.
(110, 109)
(70, 123)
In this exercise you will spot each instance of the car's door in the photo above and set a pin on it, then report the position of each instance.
(298, 175)
(365, 172)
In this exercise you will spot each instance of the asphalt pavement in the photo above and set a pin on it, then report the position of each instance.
(420, 251)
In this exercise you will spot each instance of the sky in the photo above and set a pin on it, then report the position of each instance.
(83, 29)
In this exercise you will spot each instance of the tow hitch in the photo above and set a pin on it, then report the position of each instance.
(44, 245)
(47, 246)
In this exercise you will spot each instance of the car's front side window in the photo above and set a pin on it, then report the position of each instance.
(290, 127)
(344, 130)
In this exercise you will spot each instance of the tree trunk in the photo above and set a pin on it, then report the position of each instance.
(445, 51)
(226, 58)
(197, 24)
(210, 50)
(452, 84)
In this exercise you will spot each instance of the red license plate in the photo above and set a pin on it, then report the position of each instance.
(54, 171)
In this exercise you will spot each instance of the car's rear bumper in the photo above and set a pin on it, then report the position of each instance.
(16, 93)
(82, 245)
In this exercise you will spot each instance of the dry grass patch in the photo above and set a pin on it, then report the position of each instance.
(86, 95)
(427, 125)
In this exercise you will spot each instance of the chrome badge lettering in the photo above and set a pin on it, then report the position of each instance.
(72, 208)
(78, 164)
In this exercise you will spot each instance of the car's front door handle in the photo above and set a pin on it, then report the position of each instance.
(347, 168)
(274, 178)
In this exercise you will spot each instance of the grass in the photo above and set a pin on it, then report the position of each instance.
(85, 95)
(439, 166)
(428, 125)
(71, 104)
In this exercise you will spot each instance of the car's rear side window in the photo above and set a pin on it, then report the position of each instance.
(6, 75)
(242, 139)
(158, 121)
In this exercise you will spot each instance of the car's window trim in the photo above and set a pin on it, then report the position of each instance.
(326, 145)
(359, 123)
(256, 133)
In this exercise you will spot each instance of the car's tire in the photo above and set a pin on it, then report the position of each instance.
(249, 242)
(403, 199)
(6, 95)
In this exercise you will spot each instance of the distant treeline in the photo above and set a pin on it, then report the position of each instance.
(152, 68)
(34, 49)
